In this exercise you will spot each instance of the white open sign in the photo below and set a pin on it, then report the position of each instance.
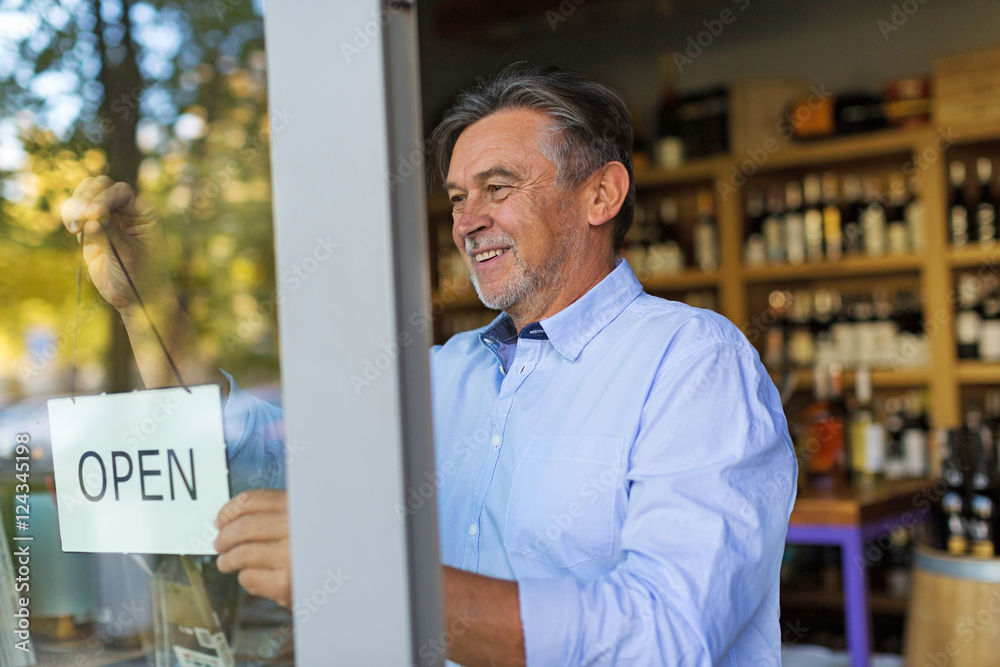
(143, 472)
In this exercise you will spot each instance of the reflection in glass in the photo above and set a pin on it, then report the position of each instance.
(169, 97)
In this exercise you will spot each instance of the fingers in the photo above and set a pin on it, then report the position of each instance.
(255, 555)
(273, 584)
(94, 200)
(254, 501)
(260, 527)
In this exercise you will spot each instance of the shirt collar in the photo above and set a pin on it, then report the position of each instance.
(573, 327)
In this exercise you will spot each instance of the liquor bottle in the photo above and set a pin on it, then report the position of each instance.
(984, 497)
(914, 437)
(915, 214)
(989, 329)
(774, 227)
(883, 326)
(873, 220)
(812, 216)
(801, 343)
(795, 233)
(833, 233)
(706, 239)
(958, 210)
(755, 249)
(824, 304)
(821, 435)
(775, 347)
(895, 423)
(842, 333)
(968, 321)
(665, 256)
(897, 231)
(867, 435)
(865, 333)
(911, 339)
(839, 414)
(850, 214)
(953, 529)
(668, 149)
(986, 209)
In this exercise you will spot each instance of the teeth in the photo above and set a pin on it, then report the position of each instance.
(483, 256)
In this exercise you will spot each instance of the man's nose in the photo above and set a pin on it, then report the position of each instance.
(473, 218)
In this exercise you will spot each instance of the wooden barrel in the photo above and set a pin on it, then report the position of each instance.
(954, 613)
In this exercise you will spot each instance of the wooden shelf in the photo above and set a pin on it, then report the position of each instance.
(973, 256)
(882, 378)
(700, 169)
(688, 280)
(849, 148)
(853, 506)
(879, 603)
(978, 372)
(845, 268)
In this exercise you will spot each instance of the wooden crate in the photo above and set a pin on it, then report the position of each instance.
(756, 108)
(967, 87)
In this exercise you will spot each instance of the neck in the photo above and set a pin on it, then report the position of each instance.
(584, 280)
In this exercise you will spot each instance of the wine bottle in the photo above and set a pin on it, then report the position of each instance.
(867, 435)
(774, 227)
(989, 330)
(954, 534)
(812, 217)
(706, 234)
(968, 321)
(958, 210)
(983, 499)
(850, 212)
(755, 249)
(897, 232)
(873, 220)
(795, 233)
(985, 209)
(833, 233)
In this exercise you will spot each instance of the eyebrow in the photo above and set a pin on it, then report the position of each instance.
(492, 172)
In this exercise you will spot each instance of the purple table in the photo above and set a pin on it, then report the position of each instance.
(848, 518)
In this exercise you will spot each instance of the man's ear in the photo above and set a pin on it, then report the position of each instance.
(608, 190)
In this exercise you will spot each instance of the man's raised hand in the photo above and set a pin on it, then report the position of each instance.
(103, 209)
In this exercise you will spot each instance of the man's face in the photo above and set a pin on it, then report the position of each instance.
(520, 235)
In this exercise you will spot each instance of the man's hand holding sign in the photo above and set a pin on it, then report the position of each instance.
(146, 471)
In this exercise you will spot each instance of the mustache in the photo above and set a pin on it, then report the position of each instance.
(472, 245)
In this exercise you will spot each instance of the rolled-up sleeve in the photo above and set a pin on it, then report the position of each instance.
(711, 481)
(255, 436)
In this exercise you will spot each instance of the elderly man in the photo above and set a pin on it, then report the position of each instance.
(615, 472)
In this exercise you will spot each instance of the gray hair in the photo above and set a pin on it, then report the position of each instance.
(590, 124)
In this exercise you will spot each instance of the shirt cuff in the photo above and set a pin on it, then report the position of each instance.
(550, 619)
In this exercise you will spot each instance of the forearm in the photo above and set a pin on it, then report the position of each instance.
(180, 337)
(483, 619)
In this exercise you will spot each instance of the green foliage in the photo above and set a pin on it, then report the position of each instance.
(196, 127)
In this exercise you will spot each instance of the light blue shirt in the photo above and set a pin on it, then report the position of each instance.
(627, 461)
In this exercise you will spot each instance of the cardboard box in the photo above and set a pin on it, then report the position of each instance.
(967, 87)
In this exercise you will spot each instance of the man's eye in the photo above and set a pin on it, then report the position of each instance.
(495, 189)
(457, 199)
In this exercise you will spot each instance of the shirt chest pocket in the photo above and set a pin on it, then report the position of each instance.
(562, 499)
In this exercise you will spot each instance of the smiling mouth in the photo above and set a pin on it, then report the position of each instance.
(489, 254)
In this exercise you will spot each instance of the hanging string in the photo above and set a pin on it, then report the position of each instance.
(76, 332)
(138, 300)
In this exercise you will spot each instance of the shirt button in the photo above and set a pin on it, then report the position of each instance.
(473, 529)
(496, 441)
